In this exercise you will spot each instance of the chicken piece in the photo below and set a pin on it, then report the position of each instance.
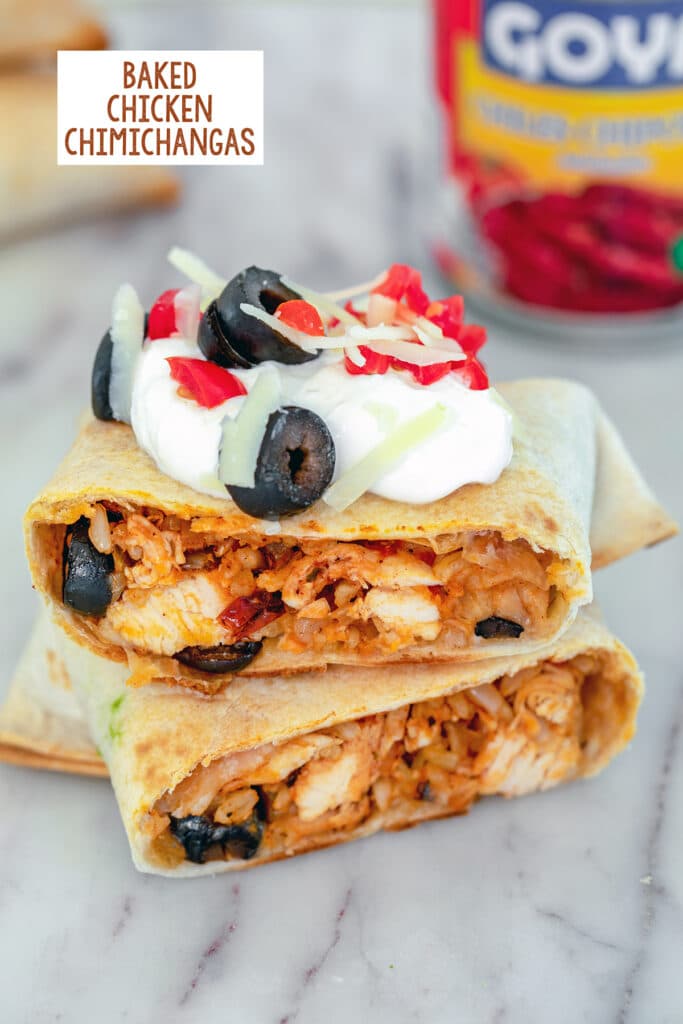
(157, 554)
(357, 564)
(328, 782)
(288, 758)
(412, 613)
(196, 792)
(164, 620)
(325, 784)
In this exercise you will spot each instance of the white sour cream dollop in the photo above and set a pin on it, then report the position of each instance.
(473, 446)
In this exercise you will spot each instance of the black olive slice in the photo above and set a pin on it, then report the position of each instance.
(87, 583)
(231, 337)
(101, 379)
(495, 628)
(215, 345)
(222, 658)
(295, 464)
(197, 834)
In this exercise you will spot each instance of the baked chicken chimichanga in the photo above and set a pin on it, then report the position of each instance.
(273, 767)
(347, 493)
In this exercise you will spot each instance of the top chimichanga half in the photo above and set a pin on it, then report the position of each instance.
(350, 490)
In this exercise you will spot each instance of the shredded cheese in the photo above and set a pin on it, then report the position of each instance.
(323, 303)
(361, 477)
(382, 332)
(355, 355)
(430, 334)
(381, 310)
(419, 355)
(187, 306)
(197, 270)
(127, 334)
(242, 436)
(307, 342)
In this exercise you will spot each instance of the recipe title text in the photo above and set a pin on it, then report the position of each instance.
(204, 107)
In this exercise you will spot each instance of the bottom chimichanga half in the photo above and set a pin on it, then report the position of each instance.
(278, 766)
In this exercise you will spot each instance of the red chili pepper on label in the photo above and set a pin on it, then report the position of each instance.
(161, 322)
(207, 383)
(612, 191)
(247, 615)
(301, 315)
(610, 247)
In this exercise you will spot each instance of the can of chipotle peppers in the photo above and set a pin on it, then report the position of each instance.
(561, 204)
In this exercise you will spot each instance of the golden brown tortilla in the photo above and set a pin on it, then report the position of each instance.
(557, 494)
(154, 738)
(41, 722)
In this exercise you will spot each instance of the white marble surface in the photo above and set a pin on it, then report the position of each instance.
(564, 907)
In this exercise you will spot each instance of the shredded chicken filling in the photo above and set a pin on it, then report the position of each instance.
(180, 584)
(524, 732)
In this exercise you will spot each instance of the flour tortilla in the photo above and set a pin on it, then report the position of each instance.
(152, 738)
(36, 193)
(41, 722)
(568, 465)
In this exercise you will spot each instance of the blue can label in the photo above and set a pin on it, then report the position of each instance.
(591, 46)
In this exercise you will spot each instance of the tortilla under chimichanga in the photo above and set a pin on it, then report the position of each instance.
(264, 771)
(382, 582)
(41, 721)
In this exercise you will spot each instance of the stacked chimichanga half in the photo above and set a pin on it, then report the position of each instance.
(272, 767)
(194, 591)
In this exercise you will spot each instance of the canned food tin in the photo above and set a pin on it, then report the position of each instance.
(563, 127)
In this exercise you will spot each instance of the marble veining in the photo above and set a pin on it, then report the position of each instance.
(561, 908)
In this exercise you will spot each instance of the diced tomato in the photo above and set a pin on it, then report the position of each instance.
(448, 314)
(301, 315)
(472, 373)
(248, 615)
(471, 338)
(404, 282)
(374, 362)
(417, 299)
(161, 322)
(427, 375)
(207, 383)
